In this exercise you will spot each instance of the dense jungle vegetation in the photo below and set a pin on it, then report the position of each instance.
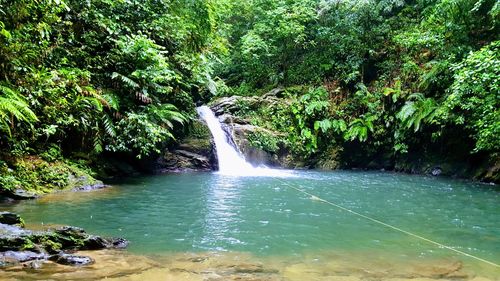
(373, 79)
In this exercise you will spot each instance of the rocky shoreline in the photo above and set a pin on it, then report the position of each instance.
(33, 248)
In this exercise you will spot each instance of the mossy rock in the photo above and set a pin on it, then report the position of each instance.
(11, 219)
(22, 244)
(30, 176)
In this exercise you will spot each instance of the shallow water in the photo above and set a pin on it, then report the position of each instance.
(266, 220)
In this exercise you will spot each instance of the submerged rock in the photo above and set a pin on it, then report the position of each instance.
(34, 264)
(75, 260)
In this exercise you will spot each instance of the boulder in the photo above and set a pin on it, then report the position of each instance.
(253, 155)
(84, 183)
(436, 171)
(6, 229)
(118, 243)
(14, 242)
(11, 219)
(182, 160)
(231, 104)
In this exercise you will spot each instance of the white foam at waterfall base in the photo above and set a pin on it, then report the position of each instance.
(231, 162)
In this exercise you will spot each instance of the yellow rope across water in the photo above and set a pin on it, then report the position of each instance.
(314, 197)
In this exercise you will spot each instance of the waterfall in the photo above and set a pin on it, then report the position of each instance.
(231, 162)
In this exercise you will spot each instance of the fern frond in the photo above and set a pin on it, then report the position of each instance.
(129, 82)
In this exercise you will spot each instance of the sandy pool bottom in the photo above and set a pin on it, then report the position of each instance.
(121, 265)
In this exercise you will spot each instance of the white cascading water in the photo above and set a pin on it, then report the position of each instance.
(230, 161)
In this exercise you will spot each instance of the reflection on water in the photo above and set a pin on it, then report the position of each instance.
(222, 197)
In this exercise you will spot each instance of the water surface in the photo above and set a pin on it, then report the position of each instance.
(266, 218)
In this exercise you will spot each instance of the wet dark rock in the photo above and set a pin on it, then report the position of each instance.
(71, 232)
(11, 219)
(93, 242)
(5, 199)
(74, 260)
(118, 243)
(184, 161)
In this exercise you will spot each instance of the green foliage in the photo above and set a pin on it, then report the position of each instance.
(102, 75)
(39, 176)
(359, 128)
(143, 133)
(123, 76)
(417, 109)
(474, 99)
(12, 105)
(264, 140)
(87, 77)
(398, 76)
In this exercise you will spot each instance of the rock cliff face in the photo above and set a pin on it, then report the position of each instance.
(195, 152)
